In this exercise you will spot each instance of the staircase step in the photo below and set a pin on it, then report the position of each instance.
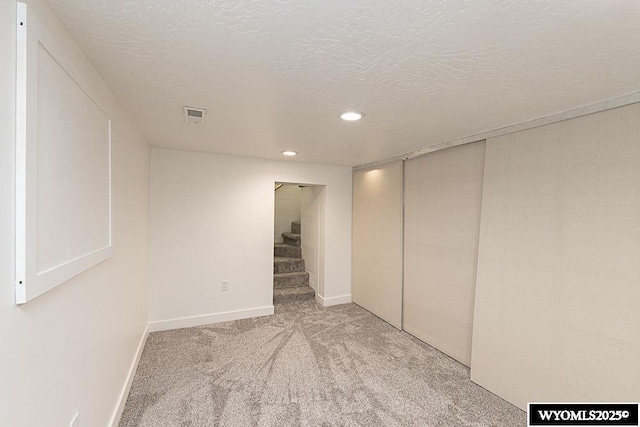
(289, 251)
(290, 280)
(296, 228)
(293, 294)
(292, 239)
(287, 265)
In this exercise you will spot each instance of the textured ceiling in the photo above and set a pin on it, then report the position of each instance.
(274, 75)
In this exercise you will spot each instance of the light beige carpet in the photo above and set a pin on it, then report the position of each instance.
(306, 366)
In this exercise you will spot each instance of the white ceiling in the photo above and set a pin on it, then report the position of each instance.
(274, 75)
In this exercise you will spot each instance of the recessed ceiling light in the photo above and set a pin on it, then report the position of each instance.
(351, 116)
(289, 153)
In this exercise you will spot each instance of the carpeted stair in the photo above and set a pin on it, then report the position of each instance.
(290, 280)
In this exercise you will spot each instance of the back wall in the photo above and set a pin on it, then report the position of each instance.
(212, 219)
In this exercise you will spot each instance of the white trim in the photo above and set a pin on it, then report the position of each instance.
(529, 124)
(328, 302)
(21, 153)
(30, 281)
(206, 319)
(117, 414)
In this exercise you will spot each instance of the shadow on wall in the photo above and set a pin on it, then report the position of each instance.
(287, 209)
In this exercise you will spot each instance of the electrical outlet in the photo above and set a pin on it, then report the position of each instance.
(225, 286)
(75, 422)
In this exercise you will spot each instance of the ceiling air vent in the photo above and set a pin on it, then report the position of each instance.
(194, 115)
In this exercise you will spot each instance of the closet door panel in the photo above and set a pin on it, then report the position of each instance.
(377, 241)
(556, 311)
(443, 195)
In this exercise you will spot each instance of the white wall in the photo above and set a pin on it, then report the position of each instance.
(203, 232)
(556, 312)
(443, 194)
(71, 349)
(377, 240)
(312, 207)
(287, 210)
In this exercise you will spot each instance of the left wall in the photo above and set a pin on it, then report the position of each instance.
(71, 349)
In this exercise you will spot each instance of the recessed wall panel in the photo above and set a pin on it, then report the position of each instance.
(63, 167)
(73, 212)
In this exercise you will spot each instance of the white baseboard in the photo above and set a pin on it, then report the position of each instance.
(327, 302)
(117, 414)
(206, 319)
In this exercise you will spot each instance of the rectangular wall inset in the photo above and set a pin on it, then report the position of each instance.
(63, 167)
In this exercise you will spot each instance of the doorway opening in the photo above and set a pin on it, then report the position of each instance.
(298, 236)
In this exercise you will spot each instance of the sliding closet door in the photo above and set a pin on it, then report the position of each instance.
(443, 196)
(377, 241)
(556, 313)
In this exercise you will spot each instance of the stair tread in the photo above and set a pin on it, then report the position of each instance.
(291, 274)
(292, 236)
(290, 286)
(289, 251)
(293, 294)
(287, 265)
(299, 290)
(285, 259)
(295, 279)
